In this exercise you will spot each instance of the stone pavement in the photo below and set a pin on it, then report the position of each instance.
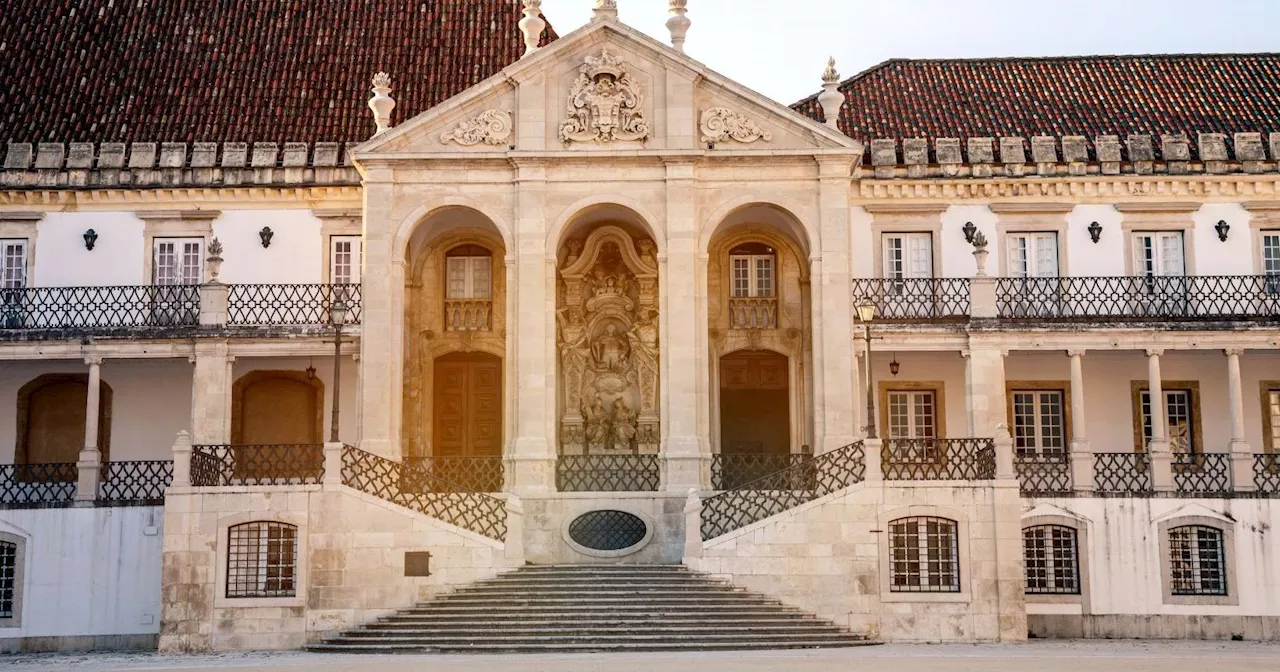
(1056, 656)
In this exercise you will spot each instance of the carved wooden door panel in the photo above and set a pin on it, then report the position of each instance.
(754, 403)
(468, 406)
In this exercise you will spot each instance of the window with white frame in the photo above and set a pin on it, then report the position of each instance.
(924, 555)
(262, 560)
(468, 273)
(178, 261)
(908, 255)
(752, 270)
(1197, 560)
(1158, 254)
(1051, 560)
(344, 260)
(1039, 421)
(1271, 260)
(1033, 255)
(1179, 414)
(13, 263)
(912, 414)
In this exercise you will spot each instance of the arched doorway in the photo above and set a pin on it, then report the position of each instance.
(51, 412)
(755, 415)
(277, 407)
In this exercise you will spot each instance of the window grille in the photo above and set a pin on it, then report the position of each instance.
(262, 560)
(8, 577)
(1052, 560)
(1198, 562)
(924, 555)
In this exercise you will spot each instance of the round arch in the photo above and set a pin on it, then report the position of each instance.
(423, 213)
(802, 235)
(640, 215)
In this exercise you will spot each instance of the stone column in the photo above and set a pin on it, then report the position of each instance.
(90, 462)
(833, 324)
(1158, 446)
(1081, 453)
(381, 320)
(211, 393)
(1241, 451)
(986, 388)
(685, 456)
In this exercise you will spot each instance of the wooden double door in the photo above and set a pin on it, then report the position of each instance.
(467, 405)
(755, 413)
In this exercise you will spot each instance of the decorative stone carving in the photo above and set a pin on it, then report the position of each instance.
(608, 342)
(604, 104)
(492, 127)
(721, 123)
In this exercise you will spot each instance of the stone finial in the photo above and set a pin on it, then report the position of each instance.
(831, 99)
(678, 24)
(532, 25)
(605, 9)
(980, 254)
(381, 102)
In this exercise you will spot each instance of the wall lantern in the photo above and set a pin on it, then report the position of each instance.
(969, 229)
(90, 239)
(1222, 228)
(1095, 231)
(894, 365)
(265, 234)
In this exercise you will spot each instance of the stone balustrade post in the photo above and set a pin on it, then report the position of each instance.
(513, 545)
(181, 461)
(214, 304)
(872, 455)
(982, 298)
(692, 528)
(333, 462)
(1004, 454)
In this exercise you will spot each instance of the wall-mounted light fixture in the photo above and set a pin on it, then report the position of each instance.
(1095, 231)
(1222, 228)
(265, 234)
(894, 365)
(90, 239)
(969, 229)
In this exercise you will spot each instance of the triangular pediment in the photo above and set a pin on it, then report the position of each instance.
(604, 88)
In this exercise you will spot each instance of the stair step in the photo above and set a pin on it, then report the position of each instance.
(759, 644)
(577, 629)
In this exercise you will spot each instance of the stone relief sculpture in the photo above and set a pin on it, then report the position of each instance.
(492, 127)
(608, 344)
(604, 104)
(721, 123)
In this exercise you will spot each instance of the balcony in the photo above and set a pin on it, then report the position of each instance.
(468, 314)
(1119, 298)
(915, 299)
(753, 313)
(128, 483)
(1134, 474)
(289, 305)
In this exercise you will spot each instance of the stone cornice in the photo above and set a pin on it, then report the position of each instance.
(1223, 187)
(179, 196)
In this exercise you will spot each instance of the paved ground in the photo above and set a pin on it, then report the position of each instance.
(1093, 656)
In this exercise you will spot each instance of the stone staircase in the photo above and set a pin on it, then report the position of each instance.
(583, 608)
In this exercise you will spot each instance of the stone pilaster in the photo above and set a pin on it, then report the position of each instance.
(833, 323)
(986, 387)
(211, 393)
(382, 318)
(683, 451)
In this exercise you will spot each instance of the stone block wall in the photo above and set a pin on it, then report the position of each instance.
(546, 520)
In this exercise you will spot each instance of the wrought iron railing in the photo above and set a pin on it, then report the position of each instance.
(753, 313)
(608, 473)
(37, 485)
(1202, 473)
(782, 490)
(468, 314)
(1122, 473)
(1205, 297)
(471, 474)
(387, 479)
(105, 307)
(938, 459)
(914, 299)
(137, 483)
(1266, 473)
(733, 470)
(277, 464)
(289, 305)
(1043, 473)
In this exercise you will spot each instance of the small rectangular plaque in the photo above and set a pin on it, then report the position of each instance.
(417, 563)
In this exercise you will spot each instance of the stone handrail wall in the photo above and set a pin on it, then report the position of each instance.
(169, 164)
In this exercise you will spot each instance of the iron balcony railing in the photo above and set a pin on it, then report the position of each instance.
(134, 483)
(608, 473)
(914, 299)
(1266, 473)
(1043, 473)
(1207, 297)
(732, 470)
(468, 474)
(1202, 473)
(290, 305)
(108, 307)
(938, 459)
(33, 486)
(276, 464)
(1122, 473)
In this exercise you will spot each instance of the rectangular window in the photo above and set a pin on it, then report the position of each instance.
(262, 560)
(13, 263)
(1033, 255)
(752, 275)
(912, 414)
(1178, 409)
(178, 261)
(1051, 559)
(1271, 260)
(8, 578)
(1158, 254)
(1198, 564)
(344, 260)
(908, 255)
(1273, 410)
(468, 277)
(1039, 422)
(924, 556)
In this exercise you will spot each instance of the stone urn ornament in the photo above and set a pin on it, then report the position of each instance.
(980, 253)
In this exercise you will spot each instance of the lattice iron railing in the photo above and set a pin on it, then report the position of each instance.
(277, 464)
(608, 473)
(914, 299)
(782, 490)
(733, 470)
(37, 485)
(938, 459)
(469, 474)
(1202, 473)
(105, 307)
(1266, 473)
(468, 314)
(1204, 297)
(1122, 473)
(753, 312)
(134, 483)
(1043, 473)
(289, 305)
(386, 479)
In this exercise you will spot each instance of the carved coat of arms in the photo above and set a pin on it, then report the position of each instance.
(604, 104)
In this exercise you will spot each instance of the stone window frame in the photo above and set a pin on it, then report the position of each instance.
(888, 219)
(961, 519)
(938, 388)
(19, 577)
(1063, 386)
(1227, 528)
(1137, 387)
(1264, 392)
(174, 224)
(1264, 218)
(1032, 218)
(1159, 218)
(223, 556)
(1082, 561)
(23, 226)
(338, 223)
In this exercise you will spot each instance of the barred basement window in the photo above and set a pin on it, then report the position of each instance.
(262, 560)
(1197, 561)
(8, 577)
(924, 556)
(1052, 560)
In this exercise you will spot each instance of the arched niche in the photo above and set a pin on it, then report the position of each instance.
(51, 415)
(277, 407)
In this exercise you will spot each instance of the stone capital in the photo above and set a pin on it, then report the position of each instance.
(1154, 352)
(1233, 351)
(93, 360)
(1075, 352)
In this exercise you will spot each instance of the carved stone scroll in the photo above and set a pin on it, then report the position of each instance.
(492, 127)
(721, 123)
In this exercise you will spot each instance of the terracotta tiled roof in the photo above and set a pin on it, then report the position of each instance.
(237, 70)
(1089, 95)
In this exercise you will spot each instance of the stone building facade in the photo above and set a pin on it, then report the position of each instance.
(905, 383)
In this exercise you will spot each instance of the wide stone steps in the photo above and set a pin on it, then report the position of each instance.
(567, 608)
